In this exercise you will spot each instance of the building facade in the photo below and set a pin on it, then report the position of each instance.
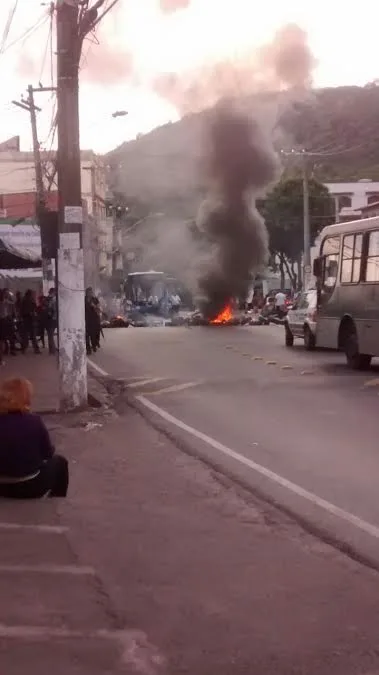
(18, 200)
(350, 198)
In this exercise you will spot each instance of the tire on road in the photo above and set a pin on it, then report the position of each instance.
(309, 339)
(349, 343)
(289, 338)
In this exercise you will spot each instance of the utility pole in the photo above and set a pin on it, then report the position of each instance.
(74, 22)
(29, 105)
(307, 275)
(71, 320)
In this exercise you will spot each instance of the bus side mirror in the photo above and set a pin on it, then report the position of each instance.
(317, 267)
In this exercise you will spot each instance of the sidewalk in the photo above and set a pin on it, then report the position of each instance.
(156, 565)
(218, 582)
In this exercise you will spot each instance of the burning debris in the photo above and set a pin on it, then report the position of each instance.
(241, 164)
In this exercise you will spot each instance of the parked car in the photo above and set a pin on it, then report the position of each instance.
(300, 321)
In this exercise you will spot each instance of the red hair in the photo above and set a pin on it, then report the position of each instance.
(15, 395)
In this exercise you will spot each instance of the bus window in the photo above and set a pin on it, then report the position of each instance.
(330, 253)
(351, 259)
(372, 265)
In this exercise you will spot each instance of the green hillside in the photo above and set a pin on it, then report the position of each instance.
(164, 168)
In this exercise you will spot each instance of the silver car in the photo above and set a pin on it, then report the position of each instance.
(300, 321)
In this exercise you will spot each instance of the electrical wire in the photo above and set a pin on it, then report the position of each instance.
(47, 46)
(92, 42)
(8, 26)
(28, 33)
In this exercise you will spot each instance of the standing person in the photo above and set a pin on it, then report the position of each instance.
(51, 319)
(29, 321)
(280, 303)
(9, 316)
(41, 319)
(2, 327)
(93, 322)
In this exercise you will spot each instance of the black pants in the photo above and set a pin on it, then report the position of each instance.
(9, 335)
(91, 341)
(28, 334)
(53, 478)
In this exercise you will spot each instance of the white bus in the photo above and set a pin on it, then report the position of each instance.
(347, 274)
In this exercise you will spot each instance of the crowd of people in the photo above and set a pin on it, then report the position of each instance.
(27, 320)
(30, 321)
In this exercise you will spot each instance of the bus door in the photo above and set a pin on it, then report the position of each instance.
(328, 316)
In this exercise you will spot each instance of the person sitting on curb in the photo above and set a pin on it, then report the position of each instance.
(29, 467)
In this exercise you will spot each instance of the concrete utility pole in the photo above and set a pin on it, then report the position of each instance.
(29, 105)
(307, 276)
(74, 21)
(71, 323)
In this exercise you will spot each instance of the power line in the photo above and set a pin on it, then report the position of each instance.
(8, 26)
(29, 32)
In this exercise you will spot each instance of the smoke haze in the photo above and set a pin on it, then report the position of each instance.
(287, 62)
(170, 6)
(241, 164)
(230, 240)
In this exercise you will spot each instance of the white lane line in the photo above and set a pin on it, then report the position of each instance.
(74, 570)
(136, 649)
(263, 471)
(134, 378)
(141, 383)
(97, 368)
(175, 388)
(44, 529)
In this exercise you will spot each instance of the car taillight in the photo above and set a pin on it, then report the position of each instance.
(313, 315)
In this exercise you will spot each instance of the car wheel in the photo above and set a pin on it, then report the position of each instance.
(289, 336)
(309, 339)
(354, 359)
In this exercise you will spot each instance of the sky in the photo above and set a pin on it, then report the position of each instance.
(141, 40)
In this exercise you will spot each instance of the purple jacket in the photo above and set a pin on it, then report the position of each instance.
(24, 444)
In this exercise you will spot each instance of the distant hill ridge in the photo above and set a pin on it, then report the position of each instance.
(341, 123)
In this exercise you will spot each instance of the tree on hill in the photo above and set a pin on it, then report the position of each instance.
(283, 213)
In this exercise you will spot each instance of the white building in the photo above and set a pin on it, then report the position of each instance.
(351, 197)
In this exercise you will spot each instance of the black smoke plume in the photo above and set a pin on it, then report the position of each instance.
(241, 164)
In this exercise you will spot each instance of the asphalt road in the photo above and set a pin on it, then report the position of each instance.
(297, 426)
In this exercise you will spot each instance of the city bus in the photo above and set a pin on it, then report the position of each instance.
(347, 282)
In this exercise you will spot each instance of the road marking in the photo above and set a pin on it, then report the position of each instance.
(97, 368)
(136, 650)
(174, 388)
(44, 529)
(141, 383)
(307, 372)
(271, 363)
(134, 378)
(257, 358)
(287, 367)
(263, 471)
(74, 570)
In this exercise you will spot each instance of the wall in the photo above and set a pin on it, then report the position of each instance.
(359, 194)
